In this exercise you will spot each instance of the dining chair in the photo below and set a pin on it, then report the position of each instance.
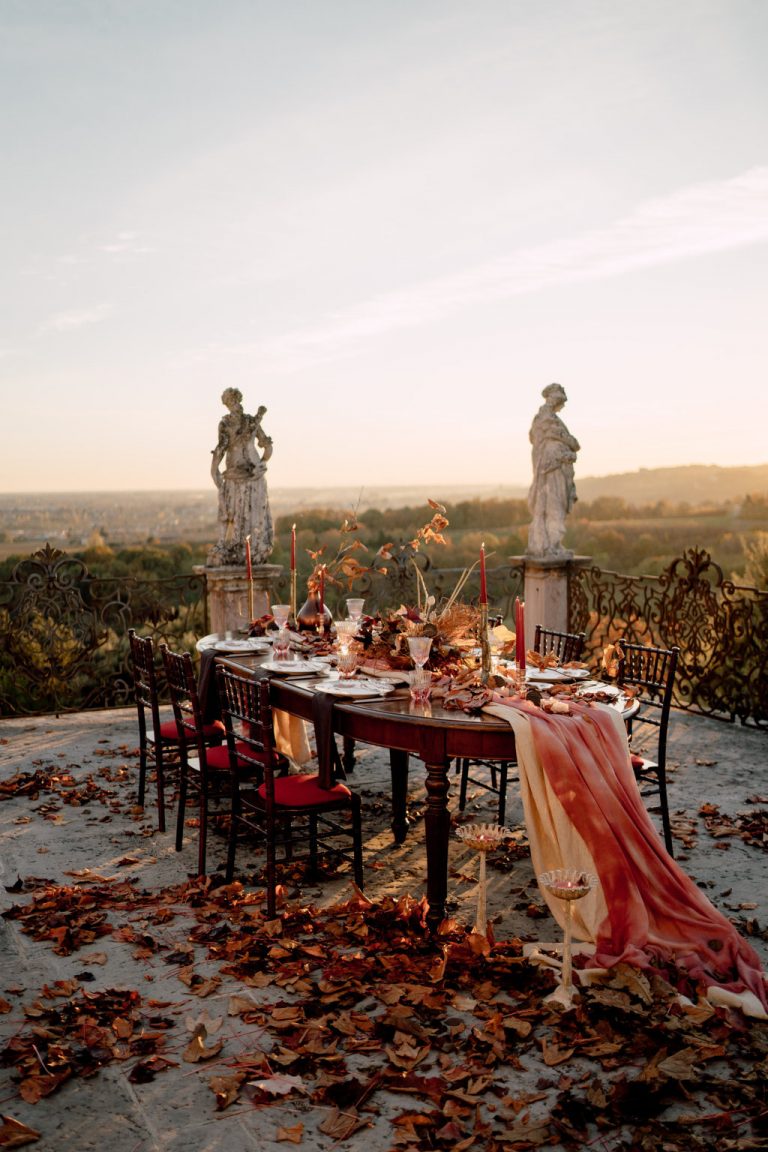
(284, 807)
(158, 738)
(566, 646)
(652, 670)
(203, 763)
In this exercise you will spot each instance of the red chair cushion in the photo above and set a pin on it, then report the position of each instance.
(217, 758)
(639, 762)
(214, 732)
(302, 791)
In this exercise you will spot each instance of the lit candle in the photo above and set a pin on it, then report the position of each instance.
(322, 590)
(483, 584)
(249, 574)
(293, 548)
(517, 630)
(522, 635)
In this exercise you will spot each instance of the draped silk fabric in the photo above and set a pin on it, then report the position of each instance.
(583, 810)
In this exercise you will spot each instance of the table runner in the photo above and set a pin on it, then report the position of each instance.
(583, 810)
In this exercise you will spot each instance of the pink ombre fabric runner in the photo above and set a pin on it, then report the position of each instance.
(584, 810)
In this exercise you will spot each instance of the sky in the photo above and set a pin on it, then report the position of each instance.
(390, 222)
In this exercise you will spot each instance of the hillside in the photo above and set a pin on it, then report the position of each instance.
(693, 483)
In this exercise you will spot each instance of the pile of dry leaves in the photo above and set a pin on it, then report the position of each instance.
(357, 1011)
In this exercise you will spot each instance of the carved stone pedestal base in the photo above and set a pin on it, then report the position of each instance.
(546, 592)
(228, 595)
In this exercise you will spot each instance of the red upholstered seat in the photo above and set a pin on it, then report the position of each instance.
(205, 768)
(283, 809)
(302, 791)
(212, 733)
(218, 758)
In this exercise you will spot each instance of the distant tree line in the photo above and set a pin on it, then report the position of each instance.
(633, 539)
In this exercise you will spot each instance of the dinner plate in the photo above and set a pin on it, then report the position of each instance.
(252, 644)
(293, 667)
(356, 688)
(601, 689)
(556, 675)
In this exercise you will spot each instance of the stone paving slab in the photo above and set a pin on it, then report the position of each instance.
(713, 762)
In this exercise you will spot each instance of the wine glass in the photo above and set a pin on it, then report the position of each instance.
(281, 645)
(355, 608)
(419, 648)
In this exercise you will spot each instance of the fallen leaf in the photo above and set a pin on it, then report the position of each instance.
(14, 1134)
(280, 1084)
(292, 1135)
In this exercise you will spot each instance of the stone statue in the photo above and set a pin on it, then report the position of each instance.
(243, 499)
(553, 491)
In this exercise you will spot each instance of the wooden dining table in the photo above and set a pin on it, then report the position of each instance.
(432, 734)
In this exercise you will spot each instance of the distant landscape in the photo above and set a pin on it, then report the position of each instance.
(634, 522)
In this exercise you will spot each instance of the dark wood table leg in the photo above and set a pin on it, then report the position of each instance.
(437, 827)
(398, 767)
(348, 755)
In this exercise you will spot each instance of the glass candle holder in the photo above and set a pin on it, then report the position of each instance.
(355, 608)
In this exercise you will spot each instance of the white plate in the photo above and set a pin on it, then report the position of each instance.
(556, 675)
(603, 689)
(252, 644)
(293, 667)
(355, 688)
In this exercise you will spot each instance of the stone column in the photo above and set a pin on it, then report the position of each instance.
(546, 592)
(227, 593)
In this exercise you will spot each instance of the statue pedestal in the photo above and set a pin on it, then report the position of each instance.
(227, 593)
(546, 591)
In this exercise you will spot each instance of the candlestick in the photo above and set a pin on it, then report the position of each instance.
(483, 584)
(249, 574)
(485, 646)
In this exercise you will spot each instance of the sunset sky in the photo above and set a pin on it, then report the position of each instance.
(391, 222)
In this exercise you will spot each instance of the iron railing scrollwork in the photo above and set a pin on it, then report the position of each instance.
(64, 644)
(64, 632)
(720, 627)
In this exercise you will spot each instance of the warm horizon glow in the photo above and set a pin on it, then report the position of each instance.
(393, 225)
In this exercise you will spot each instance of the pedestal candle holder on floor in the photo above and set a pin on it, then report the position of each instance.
(484, 838)
(567, 884)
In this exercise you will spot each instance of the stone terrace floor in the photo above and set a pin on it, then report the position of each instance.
(493, 1073)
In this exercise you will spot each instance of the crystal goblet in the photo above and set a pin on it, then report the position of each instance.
(282, 642)
(355, 608)
(420, 685)
(346, 664)
(419, 648)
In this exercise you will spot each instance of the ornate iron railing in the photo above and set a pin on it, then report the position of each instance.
(720, 627)
(63, 632)
(64, 644)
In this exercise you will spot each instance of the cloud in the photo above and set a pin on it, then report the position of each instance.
(126, 244)
(690, 222)
(70, 321)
